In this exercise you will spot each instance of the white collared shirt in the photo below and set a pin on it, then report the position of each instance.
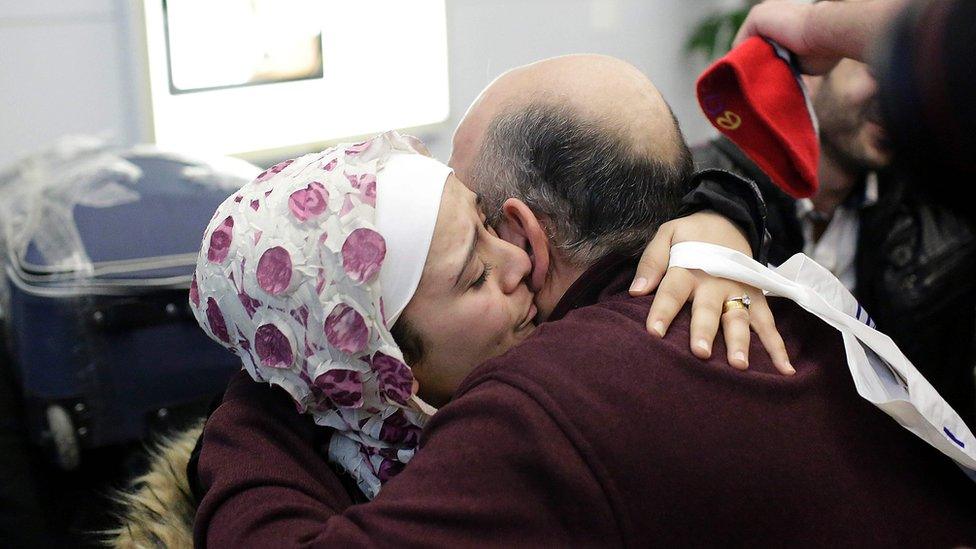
(837, 246)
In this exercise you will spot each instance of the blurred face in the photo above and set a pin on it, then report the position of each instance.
(847, 108)
(472, 302)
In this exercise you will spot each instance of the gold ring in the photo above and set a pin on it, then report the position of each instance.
(739, 302)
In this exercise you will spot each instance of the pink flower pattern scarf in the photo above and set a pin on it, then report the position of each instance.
(287, 280)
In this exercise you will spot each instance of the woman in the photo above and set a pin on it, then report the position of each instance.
(312, 275)
(331, 273)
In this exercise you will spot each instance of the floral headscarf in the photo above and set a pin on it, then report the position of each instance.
(287, 278)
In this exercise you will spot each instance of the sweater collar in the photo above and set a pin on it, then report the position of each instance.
(608, 276)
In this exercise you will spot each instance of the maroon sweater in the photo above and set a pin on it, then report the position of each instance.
(593, 433)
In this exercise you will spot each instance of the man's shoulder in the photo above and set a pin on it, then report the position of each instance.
(594, 331)
(606, 347)
(669, 435)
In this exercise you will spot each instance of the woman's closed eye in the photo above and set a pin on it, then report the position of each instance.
(484, 275)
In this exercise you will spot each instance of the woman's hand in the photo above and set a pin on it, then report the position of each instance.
(708, 294)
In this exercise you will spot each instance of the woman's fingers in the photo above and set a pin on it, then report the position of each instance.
(735, 327)
(654, 263)
(707, 314)
(763, 323)
(708, 296)
(706, 310)
(671, 296)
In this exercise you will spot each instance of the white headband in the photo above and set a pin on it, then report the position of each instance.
(408, 197)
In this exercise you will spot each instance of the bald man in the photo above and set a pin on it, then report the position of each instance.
(590, 433)
(581, 139)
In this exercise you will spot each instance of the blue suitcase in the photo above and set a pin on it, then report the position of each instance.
(96, 316)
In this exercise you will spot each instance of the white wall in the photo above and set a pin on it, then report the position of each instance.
(63, 69)
(488, 37)
(75, 67)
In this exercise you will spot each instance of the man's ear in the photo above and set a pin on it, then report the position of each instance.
(521, 227)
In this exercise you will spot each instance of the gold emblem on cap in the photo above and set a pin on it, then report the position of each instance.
(729, 120)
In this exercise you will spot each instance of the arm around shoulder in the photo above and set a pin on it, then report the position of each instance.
(265, 482)
(494, 469)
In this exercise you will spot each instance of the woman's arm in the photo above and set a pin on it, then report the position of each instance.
(263, 479)
(492, 464)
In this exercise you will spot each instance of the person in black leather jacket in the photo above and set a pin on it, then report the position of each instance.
(909, 261)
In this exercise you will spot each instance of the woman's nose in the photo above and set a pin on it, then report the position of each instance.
(515, 266)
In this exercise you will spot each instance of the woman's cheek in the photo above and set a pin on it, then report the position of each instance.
(501, 326)
(483, 307)
(479, 317)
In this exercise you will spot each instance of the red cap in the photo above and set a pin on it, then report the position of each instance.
(755, 98)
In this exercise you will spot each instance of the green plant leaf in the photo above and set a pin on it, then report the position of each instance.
(713, 35)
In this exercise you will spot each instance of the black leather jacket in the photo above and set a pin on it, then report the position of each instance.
(916, 271)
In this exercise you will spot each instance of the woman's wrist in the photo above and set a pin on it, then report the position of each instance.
(735, 198)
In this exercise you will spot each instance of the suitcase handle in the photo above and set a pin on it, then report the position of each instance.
(132, 314)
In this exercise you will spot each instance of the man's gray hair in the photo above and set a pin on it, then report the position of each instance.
(594, 194)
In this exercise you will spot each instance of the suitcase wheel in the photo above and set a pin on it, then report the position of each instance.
(66, 447)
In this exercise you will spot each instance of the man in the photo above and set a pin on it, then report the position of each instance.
(910, 262)
(590, 432)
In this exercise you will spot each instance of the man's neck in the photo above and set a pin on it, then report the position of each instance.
(562, 275)
(837, 181)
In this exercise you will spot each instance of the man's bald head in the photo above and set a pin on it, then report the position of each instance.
(587, 142)
(598, 88)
